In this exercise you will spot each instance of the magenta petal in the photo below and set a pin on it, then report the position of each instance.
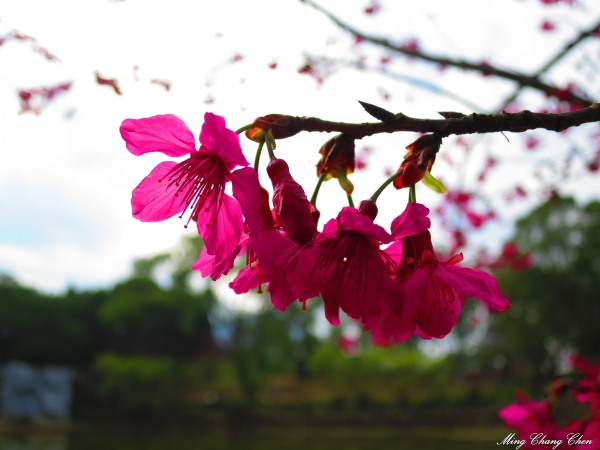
(438, 312)
(153, 201)
(394, 252)
(350, 219)
(220, 225)
(167, 134)
(204, 263)
(412, 221)
(411, 293)
(391, 324)
(207, 265)
(422, 334)
(271, 248)
(332, 313)
(245, 280)
(364, 296)
(473, 283)
(246, 190)
(221, 141)
(281, 296)
(305, 282)
(330, 227)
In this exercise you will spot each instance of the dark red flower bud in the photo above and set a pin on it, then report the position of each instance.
(337, 160)
(281, 126)
(420, 157)
(368, 208)
(293, 210)
(411, 175)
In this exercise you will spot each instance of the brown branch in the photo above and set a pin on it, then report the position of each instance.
(474, 123)
(486, 69)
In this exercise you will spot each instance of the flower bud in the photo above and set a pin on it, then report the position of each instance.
(293, 210)
(418, 160)
(281, 126)
(368, 208)
(337, 160)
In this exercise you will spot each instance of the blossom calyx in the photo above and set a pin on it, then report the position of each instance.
(337, 160)
(281, 125)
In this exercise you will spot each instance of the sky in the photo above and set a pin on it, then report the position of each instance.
(66, 176)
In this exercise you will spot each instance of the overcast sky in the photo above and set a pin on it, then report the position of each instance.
(66, 176)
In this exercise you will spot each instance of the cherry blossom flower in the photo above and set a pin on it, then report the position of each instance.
(429, 292)
(587, 390)
(36, 99)
(345, 266)
(198, 182)
(530, 417)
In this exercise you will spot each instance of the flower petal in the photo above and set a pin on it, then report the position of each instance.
(473, 283)
(350, 219)
(221, 141)
(362, 296)
(245, 280)
(220, 225)
(152, 200)
(411, 292)
(332, 313)
(412, 221)
(391, 324)
(246, 190)
(208, 265)
(393, 253)
(281, 296)
(271, 248)
(438, 313)
(167, 134)
(304, 280)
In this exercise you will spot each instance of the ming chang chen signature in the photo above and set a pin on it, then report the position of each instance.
(542, 439)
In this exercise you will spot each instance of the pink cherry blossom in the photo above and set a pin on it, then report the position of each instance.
(345, 266)
(587, 390)
(198, 182)
(529, 418)
(429, 292)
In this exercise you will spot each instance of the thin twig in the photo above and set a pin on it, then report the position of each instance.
(486, 69)
(553, 61)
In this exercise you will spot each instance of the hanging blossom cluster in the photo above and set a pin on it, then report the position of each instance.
(535, 425)
(392, 283)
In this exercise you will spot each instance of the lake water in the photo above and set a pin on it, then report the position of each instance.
(296, 438)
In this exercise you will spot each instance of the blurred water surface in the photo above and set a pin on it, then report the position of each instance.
(322, 438)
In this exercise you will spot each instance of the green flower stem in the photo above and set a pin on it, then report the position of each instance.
(270, 144)
(258, 152)
(350, 201)
(313, 199)
(244, 128)
(384, 185)
(412, 194)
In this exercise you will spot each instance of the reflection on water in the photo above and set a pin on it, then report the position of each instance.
(34, 442)
(324, 438)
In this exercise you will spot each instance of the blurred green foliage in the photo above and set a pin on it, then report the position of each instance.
(152, 344)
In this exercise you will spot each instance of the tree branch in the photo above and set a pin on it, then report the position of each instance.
(552, 62)
(484, 68)
(474, 123)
